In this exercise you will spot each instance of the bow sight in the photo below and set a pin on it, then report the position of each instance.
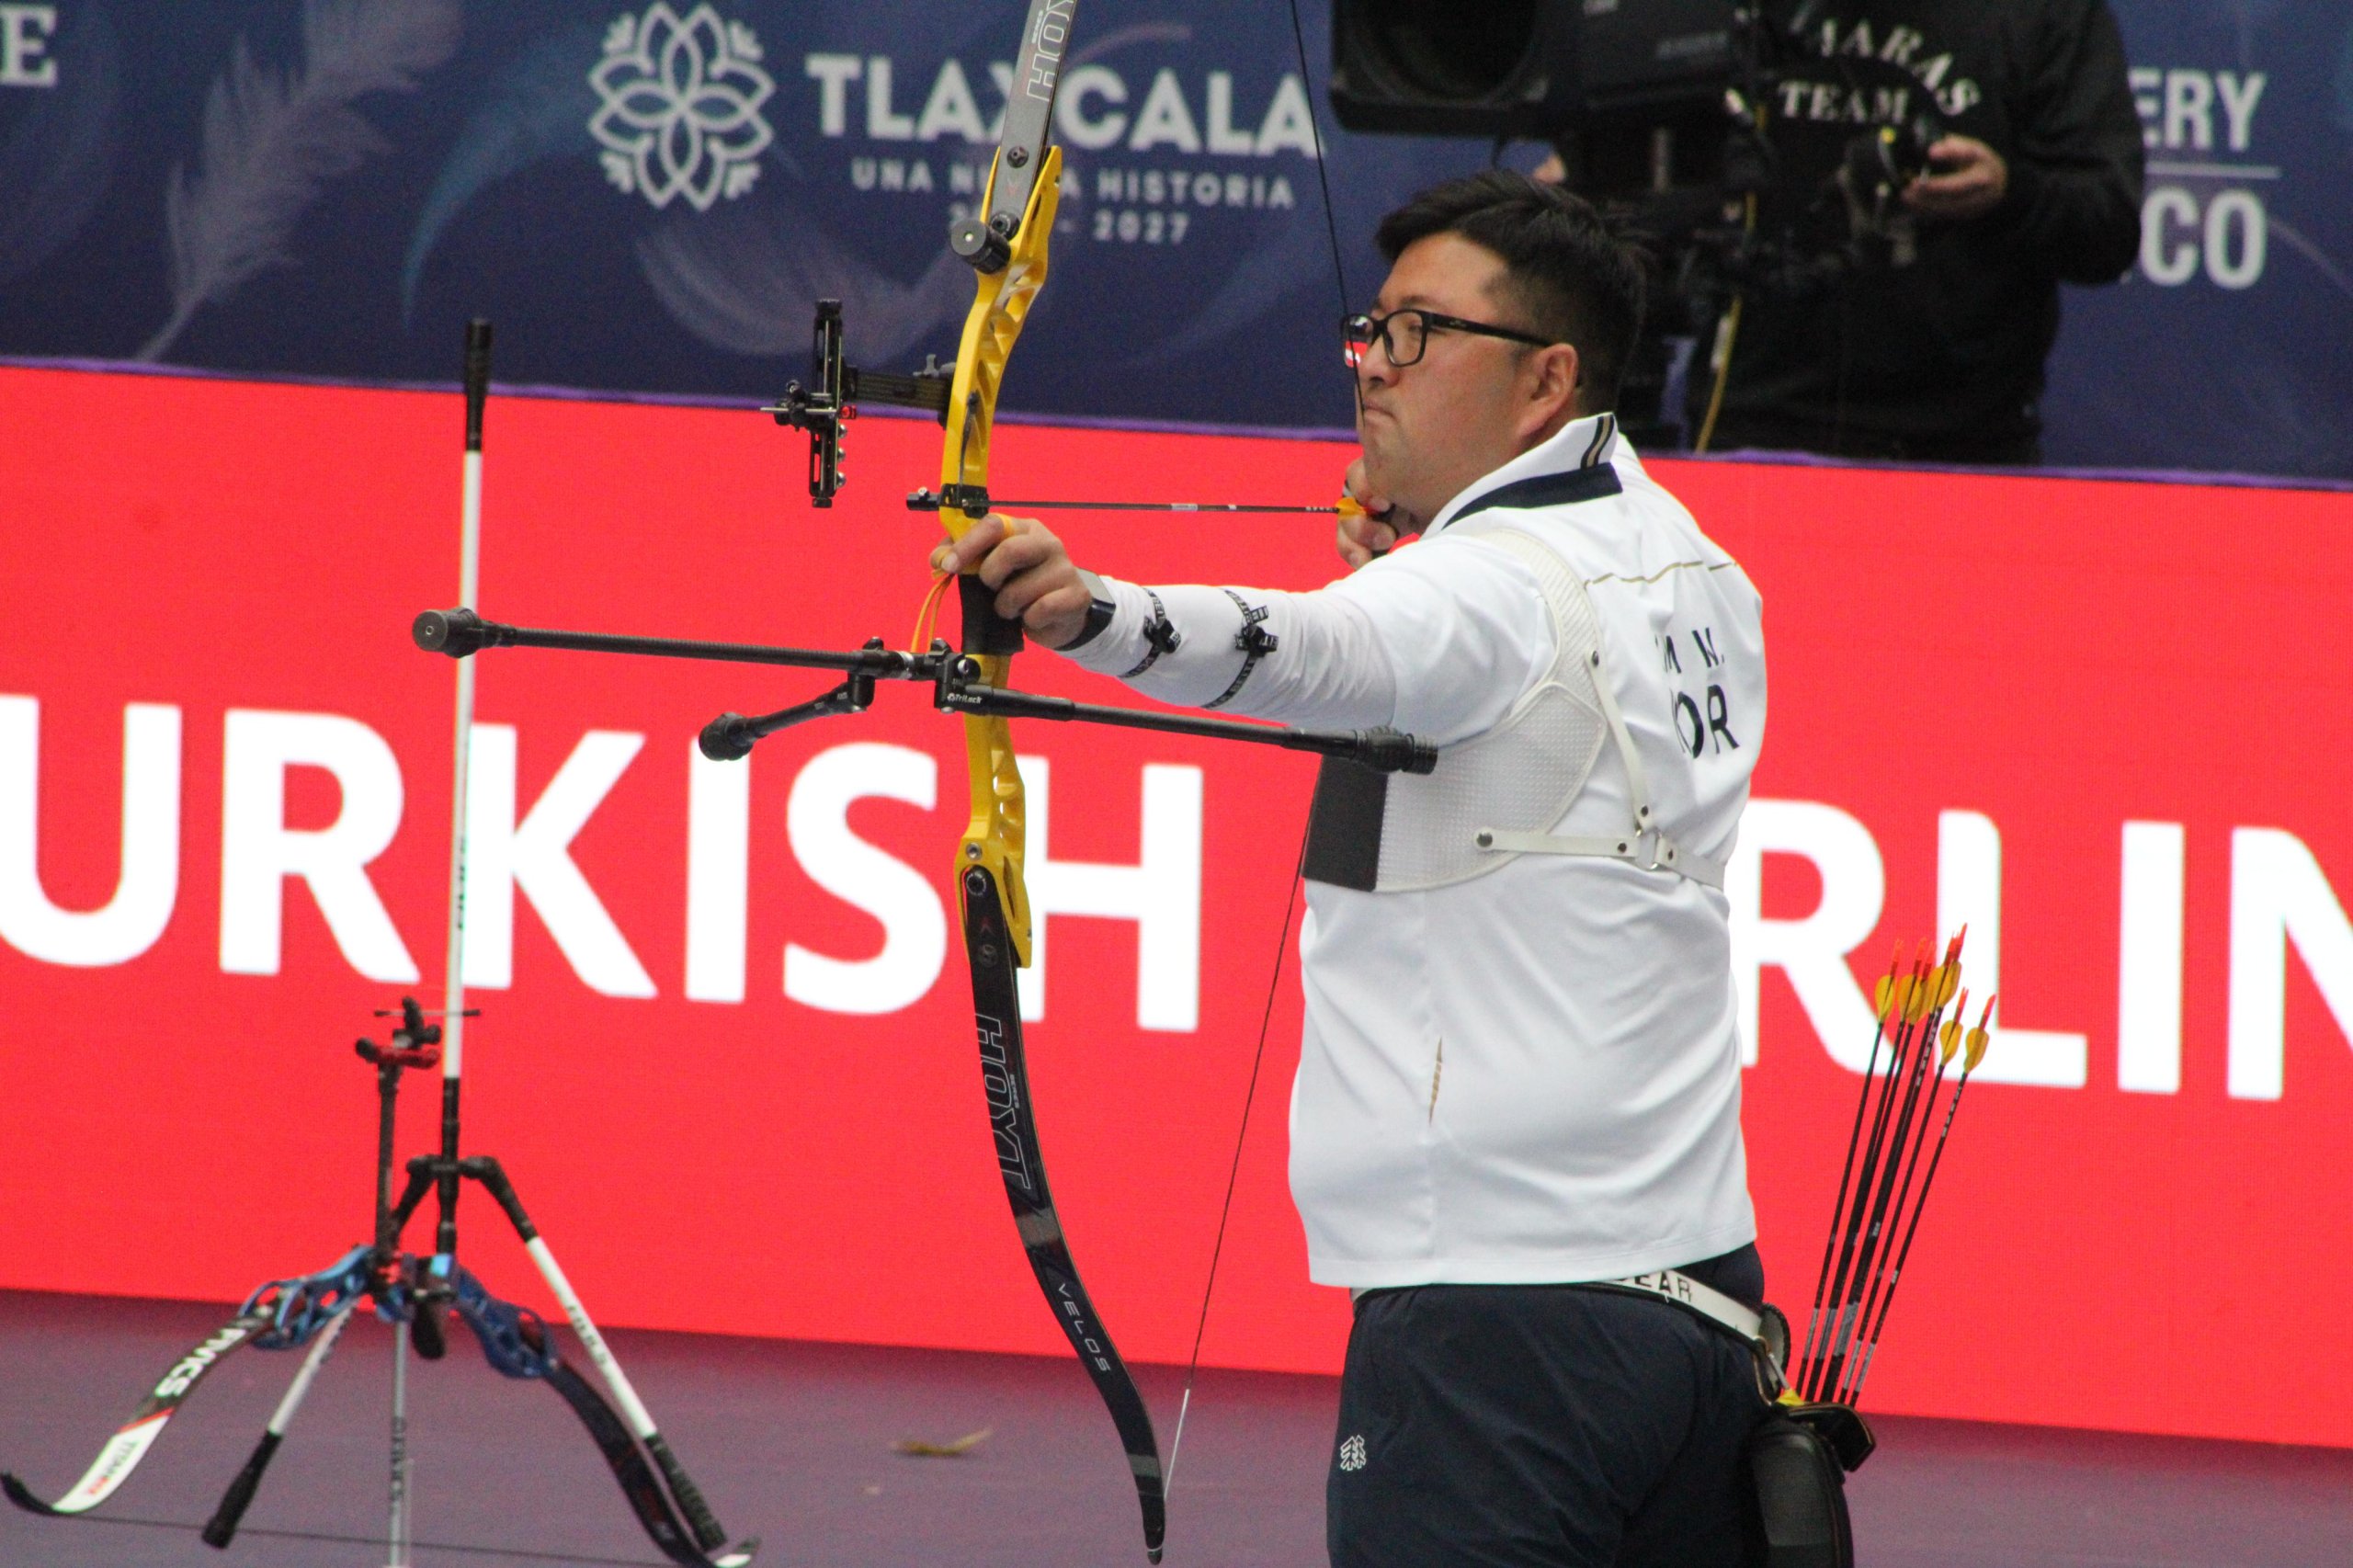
(824, 408)
(1025, 177)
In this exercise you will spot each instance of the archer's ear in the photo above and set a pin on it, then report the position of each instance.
(1551, 388)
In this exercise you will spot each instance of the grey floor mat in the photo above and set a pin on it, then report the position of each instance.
(791, 1442)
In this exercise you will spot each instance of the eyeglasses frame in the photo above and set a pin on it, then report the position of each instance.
(1430, 319)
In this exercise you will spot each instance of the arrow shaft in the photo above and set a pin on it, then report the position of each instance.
(1870, 1339)
(1871, 1286)
(1892, 1148)
(1844, 1240)
(1846, 1180)
(997, 505)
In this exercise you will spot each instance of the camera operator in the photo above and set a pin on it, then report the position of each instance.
(1934, 172)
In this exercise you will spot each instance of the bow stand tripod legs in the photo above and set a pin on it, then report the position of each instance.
(517, 1344)
(426, 1176)
(417, 1295)
(415, 1318)
(221, 1527)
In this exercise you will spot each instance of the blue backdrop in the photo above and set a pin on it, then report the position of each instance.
(647, 196)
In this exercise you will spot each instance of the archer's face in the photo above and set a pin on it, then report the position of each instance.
(1470, 402)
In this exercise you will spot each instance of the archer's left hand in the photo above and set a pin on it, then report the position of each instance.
(1036, 582)
(1968, 180)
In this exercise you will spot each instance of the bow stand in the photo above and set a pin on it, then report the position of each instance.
(415, 1294)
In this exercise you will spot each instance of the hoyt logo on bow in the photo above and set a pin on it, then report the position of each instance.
(1005, 1103)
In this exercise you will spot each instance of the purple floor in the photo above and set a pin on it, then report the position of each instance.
(792, 1442)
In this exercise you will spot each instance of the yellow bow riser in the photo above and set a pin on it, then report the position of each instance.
(993, 839)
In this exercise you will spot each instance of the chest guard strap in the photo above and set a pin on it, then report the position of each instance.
(1494, 796)
(1649, 844)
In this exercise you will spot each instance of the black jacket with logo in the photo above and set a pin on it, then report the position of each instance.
(1941, 336)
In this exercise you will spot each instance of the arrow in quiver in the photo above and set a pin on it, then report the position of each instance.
(1881, 1186)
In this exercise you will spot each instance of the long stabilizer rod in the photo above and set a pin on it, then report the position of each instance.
(460, 634)
(396, 1534)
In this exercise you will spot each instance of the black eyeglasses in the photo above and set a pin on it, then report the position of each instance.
(1404, 335)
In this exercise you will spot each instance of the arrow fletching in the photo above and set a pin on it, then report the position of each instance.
(1886, 994)
(1979, 1038)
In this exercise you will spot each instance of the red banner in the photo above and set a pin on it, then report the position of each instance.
(725, 1046)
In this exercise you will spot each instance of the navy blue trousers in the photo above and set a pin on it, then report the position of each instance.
(1544, 1426)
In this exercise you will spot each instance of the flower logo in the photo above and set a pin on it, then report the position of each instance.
(680, 112)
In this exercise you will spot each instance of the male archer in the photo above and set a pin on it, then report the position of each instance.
(1521, 1075)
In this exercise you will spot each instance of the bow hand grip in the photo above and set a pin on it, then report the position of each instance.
(985, 632)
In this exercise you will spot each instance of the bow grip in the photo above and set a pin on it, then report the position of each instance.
(985, 632)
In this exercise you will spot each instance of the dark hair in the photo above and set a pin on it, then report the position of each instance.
(1579, 279)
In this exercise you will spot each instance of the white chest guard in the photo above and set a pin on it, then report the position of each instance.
(1498, 795)
(1503, 793)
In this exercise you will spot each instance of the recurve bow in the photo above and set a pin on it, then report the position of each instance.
(1005, 240)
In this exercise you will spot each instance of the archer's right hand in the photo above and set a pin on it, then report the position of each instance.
(1373, 532)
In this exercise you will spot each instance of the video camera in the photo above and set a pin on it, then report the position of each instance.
(1666, 114)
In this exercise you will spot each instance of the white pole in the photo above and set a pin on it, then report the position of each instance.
(453, 1025)
(453, 1019)
(453, 1022)
(283, 1416)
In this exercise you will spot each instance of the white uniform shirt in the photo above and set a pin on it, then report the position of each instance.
(1531, 1076)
